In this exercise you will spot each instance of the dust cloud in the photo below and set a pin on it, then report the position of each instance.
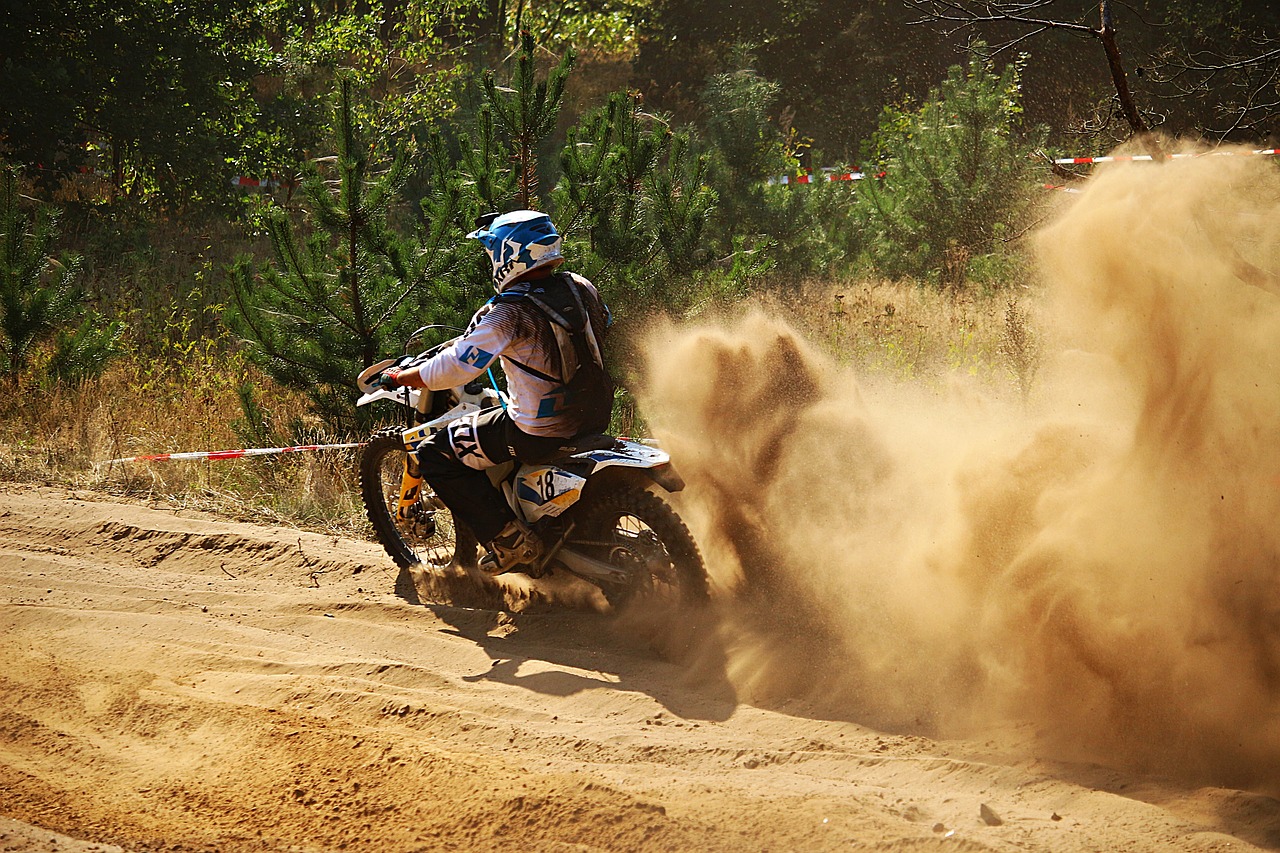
(1099, 568)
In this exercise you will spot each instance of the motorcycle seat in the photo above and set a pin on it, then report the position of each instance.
(586, 443)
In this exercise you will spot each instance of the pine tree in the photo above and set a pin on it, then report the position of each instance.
(348, 294)
(634, 201)
(526, 111)
(41, 301)
(956, 176)
(602, 193)
(681, 203)
(485, 167)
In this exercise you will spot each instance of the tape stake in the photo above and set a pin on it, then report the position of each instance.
(233, 454)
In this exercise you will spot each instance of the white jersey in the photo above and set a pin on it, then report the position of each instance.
(527, 344)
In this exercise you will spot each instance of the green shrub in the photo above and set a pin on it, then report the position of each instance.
(956, 177)
(802, 229)
(44, 319)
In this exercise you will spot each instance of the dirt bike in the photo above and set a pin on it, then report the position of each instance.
(596, 507)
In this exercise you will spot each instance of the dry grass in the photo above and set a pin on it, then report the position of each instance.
(905, 332)
(145, 406)
(186, 399)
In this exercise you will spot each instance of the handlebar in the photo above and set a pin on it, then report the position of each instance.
(416, 338)
(407, 360)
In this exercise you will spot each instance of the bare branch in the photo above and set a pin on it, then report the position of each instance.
(1259, 61)
(975, 14)
(971, 13)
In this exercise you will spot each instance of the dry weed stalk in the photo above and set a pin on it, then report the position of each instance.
(900, 330)
(1020, 346)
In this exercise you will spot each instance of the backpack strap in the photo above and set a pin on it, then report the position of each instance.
(577, 332)
(551, 314)
(532, 372)
(581, 334)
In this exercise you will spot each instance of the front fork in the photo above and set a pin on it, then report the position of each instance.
(410, 488)
(411, 479)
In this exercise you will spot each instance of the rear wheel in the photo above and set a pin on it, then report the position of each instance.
(637, 531)
(427, 533)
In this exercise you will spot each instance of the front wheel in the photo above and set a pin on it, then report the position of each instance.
(637, 531)
(424, 532)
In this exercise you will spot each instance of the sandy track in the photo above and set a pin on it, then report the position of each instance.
(182, 683)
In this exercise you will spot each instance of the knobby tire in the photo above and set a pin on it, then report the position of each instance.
(635, 529)
(381, 467)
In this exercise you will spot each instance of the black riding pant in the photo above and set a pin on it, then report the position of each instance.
(455, 460)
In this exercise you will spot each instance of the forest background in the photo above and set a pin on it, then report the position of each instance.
(215, 212)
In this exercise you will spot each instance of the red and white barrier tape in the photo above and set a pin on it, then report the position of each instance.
(234, 454)
(1132, 158)
(833, 175)
(254, 182)
(827, 175)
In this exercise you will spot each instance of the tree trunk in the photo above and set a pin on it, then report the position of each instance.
(1114, 61)
(394, 14)
(527, 183)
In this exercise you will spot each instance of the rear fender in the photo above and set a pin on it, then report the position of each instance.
(665, 477)
(630, 461)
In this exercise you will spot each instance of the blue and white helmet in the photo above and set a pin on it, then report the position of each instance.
(518, 242)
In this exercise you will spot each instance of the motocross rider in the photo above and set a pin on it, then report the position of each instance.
(545, 411)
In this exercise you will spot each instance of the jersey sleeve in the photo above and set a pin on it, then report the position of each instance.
(467, 357)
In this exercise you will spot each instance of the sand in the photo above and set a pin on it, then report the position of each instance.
(176, 682)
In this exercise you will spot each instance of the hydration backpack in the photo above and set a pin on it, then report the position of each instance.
(588, 387)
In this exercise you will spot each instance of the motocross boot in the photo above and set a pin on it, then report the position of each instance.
(511, 549)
